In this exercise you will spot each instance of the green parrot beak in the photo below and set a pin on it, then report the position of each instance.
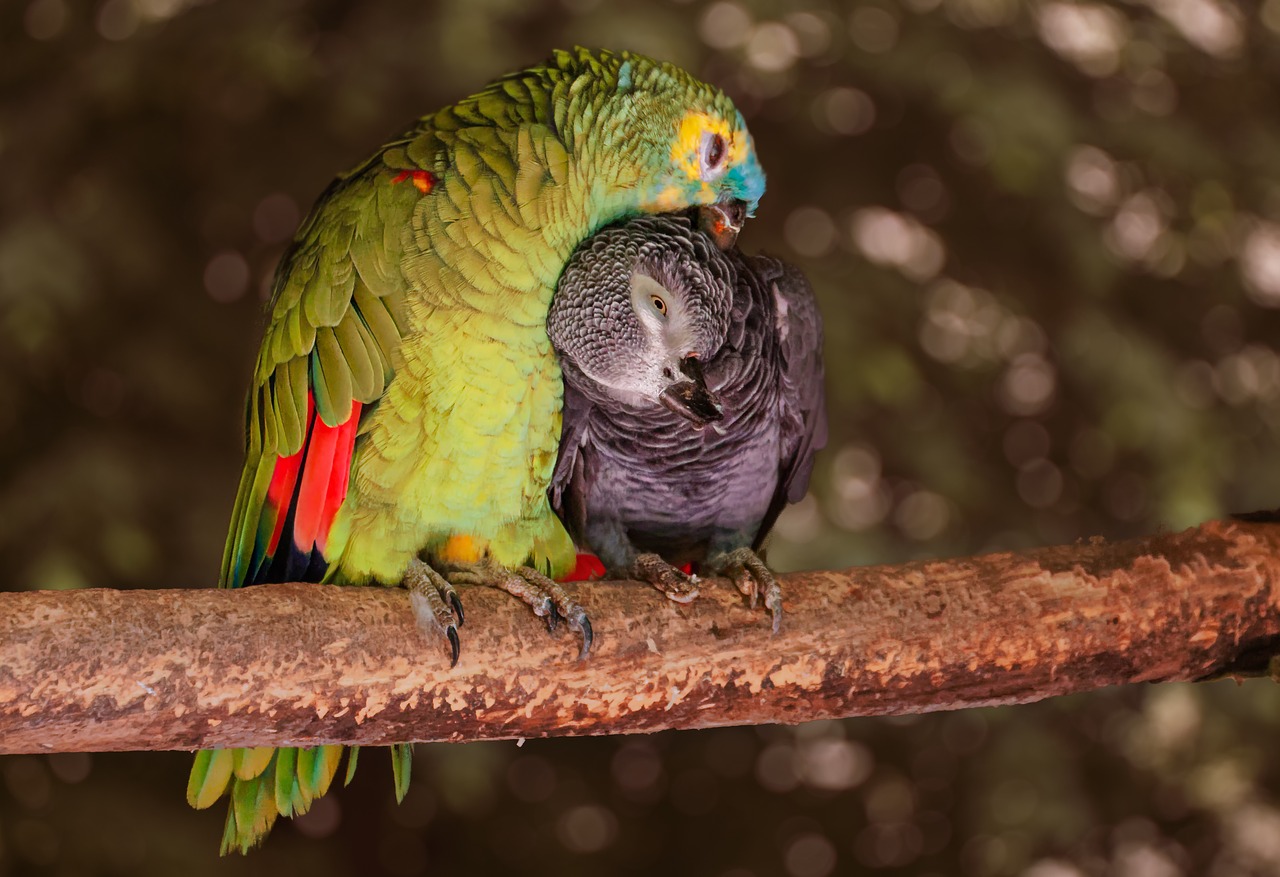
(691, 399)
(722, 221)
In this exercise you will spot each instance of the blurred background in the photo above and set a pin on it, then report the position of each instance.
(1046, 240)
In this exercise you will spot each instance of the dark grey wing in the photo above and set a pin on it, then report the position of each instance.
(802, 402)
(568, 490)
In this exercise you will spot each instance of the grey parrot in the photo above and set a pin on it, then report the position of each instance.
(694, 404)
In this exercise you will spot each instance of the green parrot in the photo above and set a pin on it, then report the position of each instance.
(405, 414)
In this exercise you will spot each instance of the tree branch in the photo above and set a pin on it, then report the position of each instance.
(305, 664)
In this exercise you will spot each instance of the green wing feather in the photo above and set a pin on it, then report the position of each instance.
(333, 334)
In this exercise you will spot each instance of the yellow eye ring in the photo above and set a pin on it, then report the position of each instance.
(658, 304)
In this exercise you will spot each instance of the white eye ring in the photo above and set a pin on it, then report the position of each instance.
(713, 154)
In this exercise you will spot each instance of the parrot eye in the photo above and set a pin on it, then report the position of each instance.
(658, 304)
(714, 152)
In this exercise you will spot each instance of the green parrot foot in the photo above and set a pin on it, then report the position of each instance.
(548, 600)
(678, 587)
(753, 579)
(435, 604)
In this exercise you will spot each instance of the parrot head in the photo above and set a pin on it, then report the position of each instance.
(709, 160)
(639, 308)
(676, 141)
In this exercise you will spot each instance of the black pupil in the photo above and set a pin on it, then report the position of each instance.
(715, 151)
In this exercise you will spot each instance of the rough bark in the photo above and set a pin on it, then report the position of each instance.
(303, 664)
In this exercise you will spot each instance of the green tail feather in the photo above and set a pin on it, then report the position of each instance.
(401, 767)
(264, 784)
(286, 783)
(353, 755)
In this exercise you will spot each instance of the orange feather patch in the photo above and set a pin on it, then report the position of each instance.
(423, 181)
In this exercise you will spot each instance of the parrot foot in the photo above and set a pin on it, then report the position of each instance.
(548, 600)
(753, 579)
(651, 568)
(435, 604)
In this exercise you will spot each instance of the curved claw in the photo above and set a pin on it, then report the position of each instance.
(587, 638)
(454, 643)
(435, 605)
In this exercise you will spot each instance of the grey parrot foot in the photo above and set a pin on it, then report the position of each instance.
(651, 568)
(753, 579)
(435, 604)
(548, 600)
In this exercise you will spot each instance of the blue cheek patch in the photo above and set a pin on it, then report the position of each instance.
(746, 181)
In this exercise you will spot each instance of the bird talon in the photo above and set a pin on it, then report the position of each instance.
(753, 580)
(456, 604)
(674, 584)
(547, 599)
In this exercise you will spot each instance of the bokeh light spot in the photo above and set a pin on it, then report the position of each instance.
(895, 239)
(1092, 180)
(810, 855)
(1026, 440)
(873, 29)
(772, 47)
(1088, 35)
(275, 219)
(1039, 484)
(322, 820)
(1260, 264)
(810, 231)
(725, 25)
(845, 110)
(587, 828)
(117, 20)
(834, 764)
(860, 500)
(226, 277)
(45, 19)
(922, 515)
(921, 191)
(531, 778)
(812, 31)
(1028, 385)
(776, 768)
(1210, 25)
(637, 769)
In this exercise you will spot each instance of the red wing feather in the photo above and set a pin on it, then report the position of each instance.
(303, 497)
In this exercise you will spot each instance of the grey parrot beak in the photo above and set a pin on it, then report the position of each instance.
(691, 399)
(722, 221)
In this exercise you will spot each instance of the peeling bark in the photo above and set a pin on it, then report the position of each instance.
(305, 664)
